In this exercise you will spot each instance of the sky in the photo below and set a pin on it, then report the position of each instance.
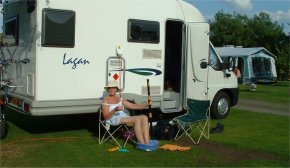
(279, 10)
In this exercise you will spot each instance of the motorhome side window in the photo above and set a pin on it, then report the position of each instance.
(143, 31)
(58, 28)
(11, 31)
(214, 61)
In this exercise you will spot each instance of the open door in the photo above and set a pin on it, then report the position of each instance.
(172, 97)
(196, 61)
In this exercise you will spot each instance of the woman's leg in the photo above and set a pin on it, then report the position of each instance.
(141, 127)
(145, 128)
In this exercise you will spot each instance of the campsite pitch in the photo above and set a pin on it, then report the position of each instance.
(66, 142)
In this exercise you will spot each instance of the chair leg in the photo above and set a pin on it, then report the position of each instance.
(125, 142)
(129, 137)
(185, 131)
(202, 130)
(202, 127)
(110, 135)
(99, 133)
(176, 136)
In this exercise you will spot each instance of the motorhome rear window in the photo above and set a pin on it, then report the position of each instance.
(11, 30)
(58, 28)
(143, 31)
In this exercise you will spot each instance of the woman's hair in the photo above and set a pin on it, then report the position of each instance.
(113, 87)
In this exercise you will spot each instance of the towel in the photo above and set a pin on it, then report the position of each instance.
(113, 149)
(117, 148)
(174, 147)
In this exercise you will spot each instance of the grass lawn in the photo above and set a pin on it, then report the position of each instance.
(273, 93)
(249, 139)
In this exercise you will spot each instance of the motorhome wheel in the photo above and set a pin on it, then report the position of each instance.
(220, 107)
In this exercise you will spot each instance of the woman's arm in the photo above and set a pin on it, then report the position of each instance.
(133, 106)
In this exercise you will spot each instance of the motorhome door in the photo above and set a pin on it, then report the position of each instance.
(196, 62)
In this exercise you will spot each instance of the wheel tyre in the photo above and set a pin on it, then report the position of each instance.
(3, 129)
(220, 107)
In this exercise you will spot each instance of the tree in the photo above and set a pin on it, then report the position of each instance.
(283, 62)
(228, 29)
(266, 33)
(259, 31)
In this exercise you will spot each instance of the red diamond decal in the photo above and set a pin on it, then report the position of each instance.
(116, 76)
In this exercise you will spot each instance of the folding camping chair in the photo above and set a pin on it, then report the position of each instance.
(195, 122)
(113, 131)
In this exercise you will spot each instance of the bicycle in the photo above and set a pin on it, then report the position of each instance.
(4, 88)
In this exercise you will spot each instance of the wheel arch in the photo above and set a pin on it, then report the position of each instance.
(233, 94)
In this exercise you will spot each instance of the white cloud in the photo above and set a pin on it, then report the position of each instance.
(280, 16)
(240, 5)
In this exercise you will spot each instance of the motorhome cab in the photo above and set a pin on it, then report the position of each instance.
(72, 48)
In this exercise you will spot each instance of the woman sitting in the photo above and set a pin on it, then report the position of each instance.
(113, 112)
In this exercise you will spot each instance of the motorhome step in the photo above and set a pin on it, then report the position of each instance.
(170, 110)
(168, 99)
(169, 104)
(169, 94)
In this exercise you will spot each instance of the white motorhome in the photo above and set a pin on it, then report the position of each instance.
(74, 47)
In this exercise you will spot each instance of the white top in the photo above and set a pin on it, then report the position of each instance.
(112, 106)
(115, 120)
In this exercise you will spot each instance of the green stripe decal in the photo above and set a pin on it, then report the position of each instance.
(143, 71)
